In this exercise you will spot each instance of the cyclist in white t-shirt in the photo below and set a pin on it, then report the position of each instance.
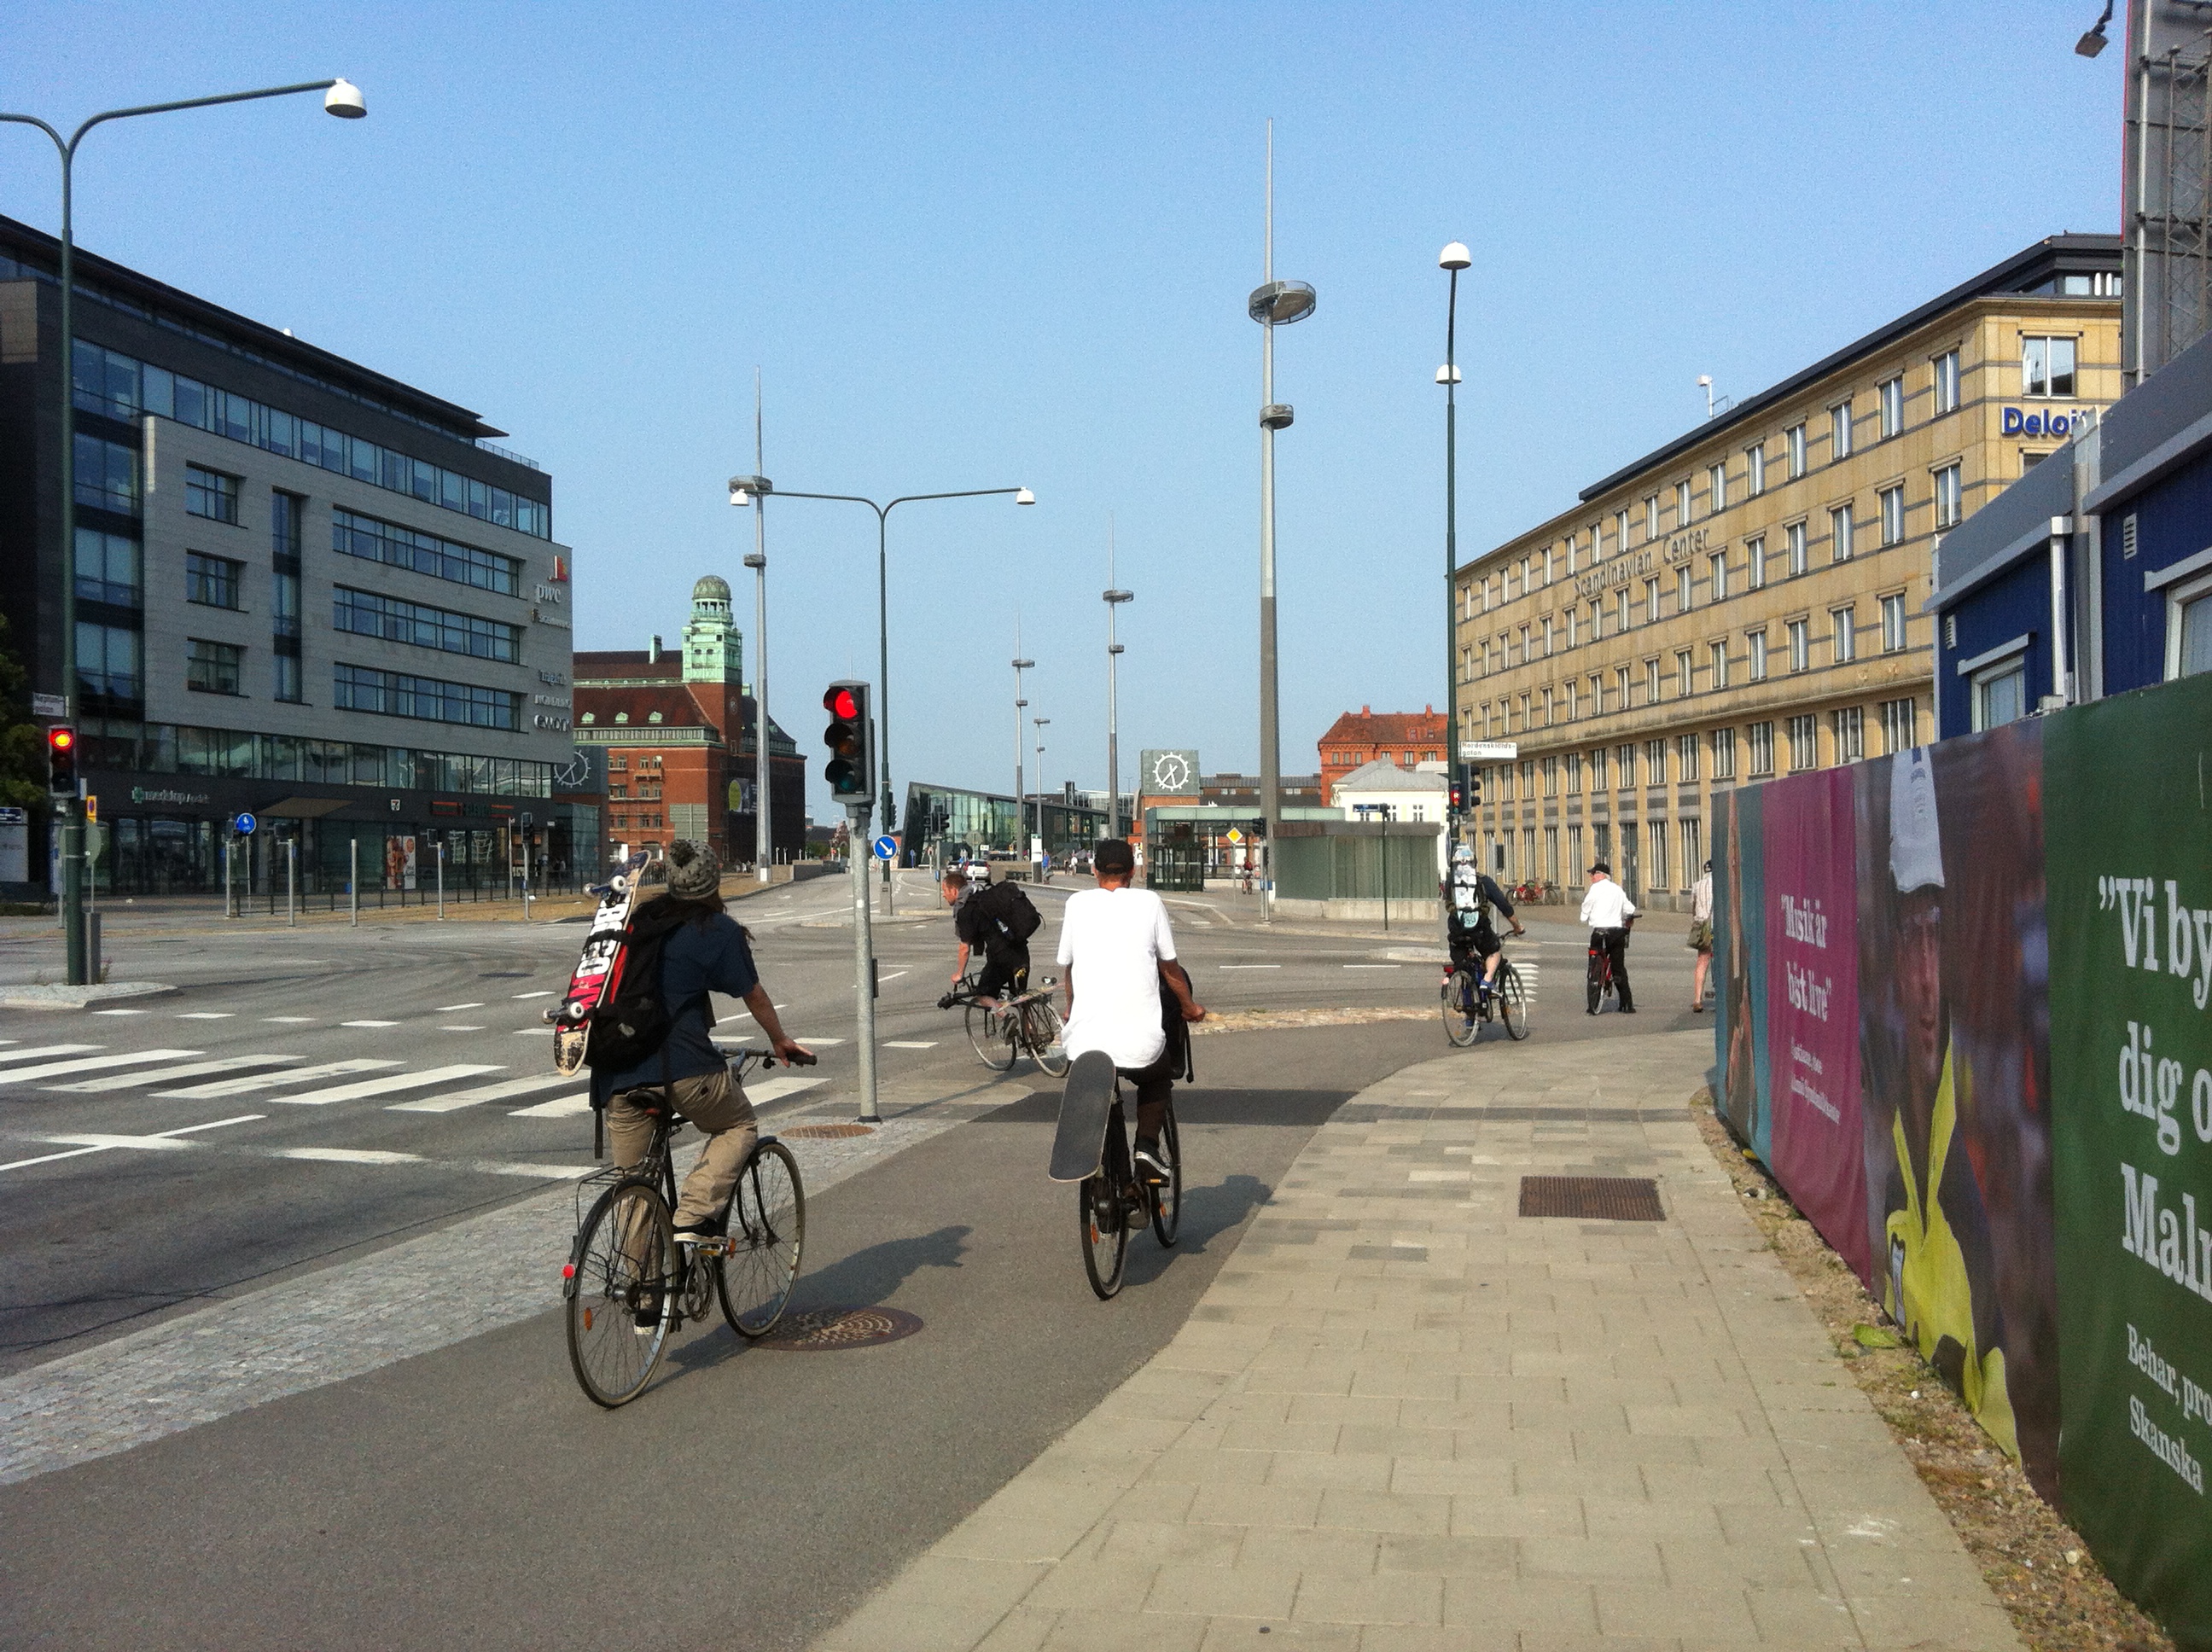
(1115, 943)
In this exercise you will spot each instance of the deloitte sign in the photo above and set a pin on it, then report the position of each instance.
(2057, 421)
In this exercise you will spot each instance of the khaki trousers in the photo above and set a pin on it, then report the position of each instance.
(716, 1103)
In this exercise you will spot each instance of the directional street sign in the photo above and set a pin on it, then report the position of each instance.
(1488, 751)
(244, 824)
(887, 847)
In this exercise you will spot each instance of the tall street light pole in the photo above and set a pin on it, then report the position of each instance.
(1452, 259)
(1115, 597)
(1040, 722)
(1020, 705)
(340, 98)
(1022, 496)
(1273, 304)
(763, 835)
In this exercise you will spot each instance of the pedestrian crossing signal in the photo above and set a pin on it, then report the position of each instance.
(851, 769)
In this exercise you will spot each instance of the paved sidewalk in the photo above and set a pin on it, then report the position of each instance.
(1404, 1418)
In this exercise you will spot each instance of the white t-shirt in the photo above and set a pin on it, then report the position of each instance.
(1115, 940)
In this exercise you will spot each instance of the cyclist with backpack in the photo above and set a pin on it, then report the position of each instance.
(1472, 935)
(650, 1047)
(999, 919)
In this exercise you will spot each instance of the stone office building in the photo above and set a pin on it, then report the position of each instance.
(302, 590)
(1746, 601)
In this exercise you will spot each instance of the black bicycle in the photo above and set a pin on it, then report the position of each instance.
(1111, 1203)
(628, 1286)
(1468, 1008)
(1025, 1024)
(1601, 983)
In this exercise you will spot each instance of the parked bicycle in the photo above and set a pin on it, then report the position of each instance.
(628, 1286)
(1026, 1024)
(1468, 1009)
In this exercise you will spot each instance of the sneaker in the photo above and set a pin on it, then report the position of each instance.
(1152, 1167)
(646, 1318)
(700, 1229)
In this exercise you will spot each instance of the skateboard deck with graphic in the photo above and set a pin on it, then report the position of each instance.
(1078, 1148)
(598, 967)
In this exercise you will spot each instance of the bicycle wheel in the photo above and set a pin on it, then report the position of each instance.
(1512, 1002)
(988, 1032)
(1167, 1202)
(622, 1267)
(1459, 1007)
(1105, 1234)
(768, 1230)
(1041, 1026)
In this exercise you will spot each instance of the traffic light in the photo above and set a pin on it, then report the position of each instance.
(1473, 789)
(851, 770)
(61, 761)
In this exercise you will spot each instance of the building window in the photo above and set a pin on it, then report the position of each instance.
(1715, 489)
(1651, 681)
(1596, 695)
(1800, 558)
(1893, 406)
(1762, 748)
(1948, 495)
(1800, 644)
(1755, 655)
(2000, 693)
(1716, 573)
(376, 541)
(1723, 754)
(1892, 515)
(1754, 565)
(1681, 505)
(1572, 700)
(1567, 618)
(1574, 774)
(1839, 432)
(1755, 469)
(285, 514)
(1525, 723)
(2188, 629)
(2046, 367)
(1624, 759)
(1597, 768)
(1692, 859)
(1658, 867)
(1520, 654)
(393, 694)
(1946, 382)
(1654, 762)
(1804, 743)
(106, 660)
(1795, 438)
(1620, 680)
(1651, 601)
(1552, 853)
(1898, 733)
(1716, 662)
(106, 569)
(213, 667)
(1851, 734)
(1839, 534)
(284, 683)
(1650, 516)
(1619, 532)
(1575, 864)
(1685, 757)
(106, 475)
(212, 581)
(1623, 612)
(1548, 636)
(1844, 633)
(1551, 771)
(365, 614)
(1893, 623)
(211, 494)
(1682, 589)
(1685, 668)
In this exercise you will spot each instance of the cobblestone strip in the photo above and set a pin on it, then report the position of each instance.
(1404, 1418)
(410, 1298)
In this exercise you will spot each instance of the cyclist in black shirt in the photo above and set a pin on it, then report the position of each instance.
(978, 923)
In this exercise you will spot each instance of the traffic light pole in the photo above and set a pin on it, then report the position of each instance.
(73, 924)
(863, 960)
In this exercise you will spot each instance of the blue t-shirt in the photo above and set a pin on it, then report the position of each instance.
(697, 959)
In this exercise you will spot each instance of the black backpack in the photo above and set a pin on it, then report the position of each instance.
(635, 1022)
(1014, 912)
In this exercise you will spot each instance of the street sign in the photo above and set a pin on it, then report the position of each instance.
(886, 847)
(49, 705)
(244, 824)
(1235, 836)
(95, 840)
(1488, 751)
(91, 807)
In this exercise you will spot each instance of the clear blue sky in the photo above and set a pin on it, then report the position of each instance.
(973, 246)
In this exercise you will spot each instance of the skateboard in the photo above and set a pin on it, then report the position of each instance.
(599, 968)
(1079, 1150)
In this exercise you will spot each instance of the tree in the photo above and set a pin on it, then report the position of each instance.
(22, 748)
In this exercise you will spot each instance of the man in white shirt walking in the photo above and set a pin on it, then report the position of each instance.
(1116, 944)
(1608, 912)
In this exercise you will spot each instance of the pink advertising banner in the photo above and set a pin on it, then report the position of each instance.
(1813, 1007)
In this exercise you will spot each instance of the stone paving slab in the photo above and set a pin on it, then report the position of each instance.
(1403, 1418)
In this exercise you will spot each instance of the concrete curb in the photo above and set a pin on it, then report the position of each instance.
(78, 997)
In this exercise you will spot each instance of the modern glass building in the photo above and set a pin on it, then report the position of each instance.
(301, 590)
(945, 823)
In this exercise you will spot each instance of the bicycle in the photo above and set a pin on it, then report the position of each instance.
(1468, 1009)
(1602, 984)
(1025, 1024)
(628, 1286)
(1111, 1202)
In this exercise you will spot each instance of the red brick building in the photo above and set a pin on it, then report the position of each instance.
(1406, 738)
(678, 729)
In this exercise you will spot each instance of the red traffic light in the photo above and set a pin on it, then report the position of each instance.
(840, 703)
(61, 739)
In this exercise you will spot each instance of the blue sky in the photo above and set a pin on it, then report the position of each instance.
(975, 247)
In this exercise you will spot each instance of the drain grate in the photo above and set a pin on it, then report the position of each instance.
(827, 1131)
(824, 1330)
(1592, 1198)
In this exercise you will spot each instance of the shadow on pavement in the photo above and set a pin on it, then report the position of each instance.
(1198, 1104)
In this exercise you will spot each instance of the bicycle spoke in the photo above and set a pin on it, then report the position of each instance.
(759, 1265)
(624, 1268)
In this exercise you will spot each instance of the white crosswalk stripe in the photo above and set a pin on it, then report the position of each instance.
(170, 1075)
(90, 1063)
(769, 1089)
(561, 1107)
(270, 1080)
(387, 1085)
(498, 1092)
(44, 1051)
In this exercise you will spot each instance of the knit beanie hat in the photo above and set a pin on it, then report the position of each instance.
(693, 872)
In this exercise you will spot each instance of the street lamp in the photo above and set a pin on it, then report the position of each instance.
(1040, 722)
(1115, 597)
(1273, 304)
(341, 98)
(1022, 496)
(2094, 41)
(1452, 259)
(1020, 706)
(756, 494)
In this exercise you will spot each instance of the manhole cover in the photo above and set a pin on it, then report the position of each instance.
(821, 1330)
(827, 1131)
(1592, 1198)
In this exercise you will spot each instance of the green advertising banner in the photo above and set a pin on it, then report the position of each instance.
(2128, 807)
